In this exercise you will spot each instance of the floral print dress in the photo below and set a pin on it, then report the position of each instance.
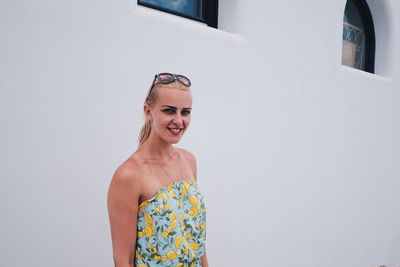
(171, 228)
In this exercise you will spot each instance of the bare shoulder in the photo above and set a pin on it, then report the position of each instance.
(190, 159)
(126, 181)
(128, 172)
(187, 154)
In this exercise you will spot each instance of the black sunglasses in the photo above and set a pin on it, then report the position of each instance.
(166, 78)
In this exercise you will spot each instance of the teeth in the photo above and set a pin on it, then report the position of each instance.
(176, 130)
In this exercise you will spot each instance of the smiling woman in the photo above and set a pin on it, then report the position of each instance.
(157, 213)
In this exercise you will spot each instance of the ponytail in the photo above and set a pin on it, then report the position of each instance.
(145, 132)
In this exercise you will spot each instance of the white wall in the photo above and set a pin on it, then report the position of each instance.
(298, 156)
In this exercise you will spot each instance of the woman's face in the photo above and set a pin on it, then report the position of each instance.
(171, 113)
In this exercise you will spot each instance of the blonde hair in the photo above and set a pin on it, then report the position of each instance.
(151, 98)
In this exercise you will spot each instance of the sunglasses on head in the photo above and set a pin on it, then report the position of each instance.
(166, 78)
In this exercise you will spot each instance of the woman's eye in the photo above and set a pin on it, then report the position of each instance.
(186, 112)
(169, 110)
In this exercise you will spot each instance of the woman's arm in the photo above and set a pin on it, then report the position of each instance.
(204, 262)
(122, 203)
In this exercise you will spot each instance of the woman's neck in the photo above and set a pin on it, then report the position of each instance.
(159, 149)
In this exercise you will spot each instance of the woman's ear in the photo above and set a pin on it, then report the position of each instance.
(147, 111)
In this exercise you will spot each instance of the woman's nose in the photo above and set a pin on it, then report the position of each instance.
(178, 120)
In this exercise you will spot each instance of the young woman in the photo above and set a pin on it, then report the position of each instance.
(157, 214)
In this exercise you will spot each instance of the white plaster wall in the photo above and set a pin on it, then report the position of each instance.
(298, 156)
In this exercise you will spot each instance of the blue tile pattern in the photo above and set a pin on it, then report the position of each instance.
(355, 36)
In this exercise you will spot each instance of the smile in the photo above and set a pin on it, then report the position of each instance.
(175, 131)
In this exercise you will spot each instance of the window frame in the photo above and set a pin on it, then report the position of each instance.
(210, 8)
(369, 29)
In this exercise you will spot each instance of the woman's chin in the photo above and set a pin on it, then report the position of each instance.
(175, 140)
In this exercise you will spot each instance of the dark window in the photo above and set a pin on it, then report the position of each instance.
(358, 48)
(205, 11)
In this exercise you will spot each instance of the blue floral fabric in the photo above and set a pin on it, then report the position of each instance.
(171, 228)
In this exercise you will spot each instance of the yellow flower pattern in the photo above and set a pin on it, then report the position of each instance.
(172, 227)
